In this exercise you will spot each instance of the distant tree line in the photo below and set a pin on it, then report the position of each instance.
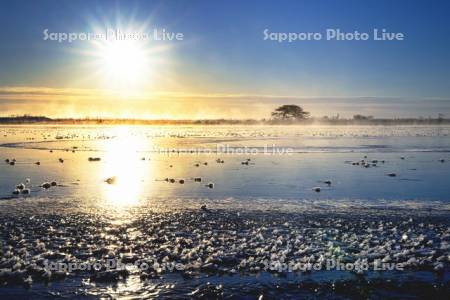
(25, 119)
(285, 114)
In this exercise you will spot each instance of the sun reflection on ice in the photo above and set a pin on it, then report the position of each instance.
(123, 162)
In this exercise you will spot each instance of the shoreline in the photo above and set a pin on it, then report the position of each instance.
(30, 120)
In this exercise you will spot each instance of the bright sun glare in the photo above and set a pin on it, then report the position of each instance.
(123, 60)
(124, 64)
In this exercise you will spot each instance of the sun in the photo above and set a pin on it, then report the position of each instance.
(124, 63)
(124, 59)
(128, 62)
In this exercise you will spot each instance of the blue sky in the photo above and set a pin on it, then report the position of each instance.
(223, 53)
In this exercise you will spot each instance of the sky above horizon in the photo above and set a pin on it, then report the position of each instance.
(223, 66)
